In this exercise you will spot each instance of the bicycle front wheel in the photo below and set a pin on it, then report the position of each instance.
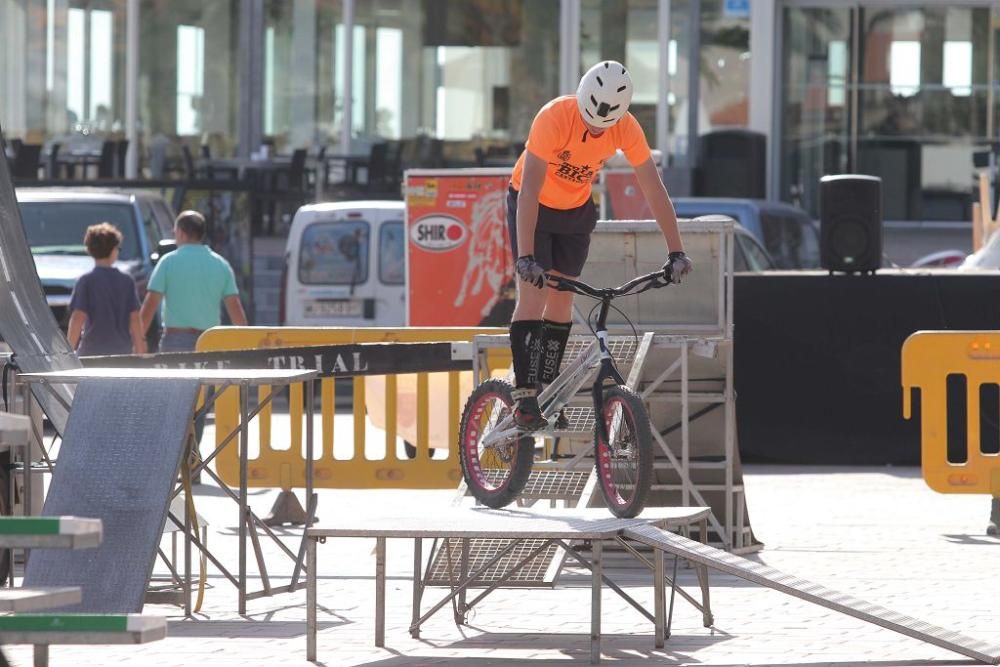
(496, 474)
(625, 463)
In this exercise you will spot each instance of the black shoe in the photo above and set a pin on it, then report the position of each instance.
(991, 529)
(527, 414)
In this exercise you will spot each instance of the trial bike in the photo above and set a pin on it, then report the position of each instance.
(497, 456)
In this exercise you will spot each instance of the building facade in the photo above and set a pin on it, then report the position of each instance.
(904, 90)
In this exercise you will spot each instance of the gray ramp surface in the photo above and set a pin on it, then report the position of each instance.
(26, 322)
(811, 592)
(118, 462)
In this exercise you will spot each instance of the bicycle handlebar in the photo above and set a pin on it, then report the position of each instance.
(648, 281)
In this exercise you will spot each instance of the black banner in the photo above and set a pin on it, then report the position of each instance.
(330, 360)
(817, 359)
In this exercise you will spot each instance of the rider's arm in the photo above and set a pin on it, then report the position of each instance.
(527, 202)
(659, 202)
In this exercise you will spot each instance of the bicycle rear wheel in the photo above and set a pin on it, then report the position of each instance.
(495, 474)
(625, 464)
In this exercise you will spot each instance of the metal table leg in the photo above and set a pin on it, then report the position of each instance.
(380, 591)
(311, 600)
(418, 564)
(659, 596)
(244, 510)
(595, 602)
(460, 609)
(673, 589)
(186, 477)
(708, 620)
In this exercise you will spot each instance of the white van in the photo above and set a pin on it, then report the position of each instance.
(345, 266)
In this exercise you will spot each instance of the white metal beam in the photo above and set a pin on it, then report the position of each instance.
(132, 88)
(764, 105)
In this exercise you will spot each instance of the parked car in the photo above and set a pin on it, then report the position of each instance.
(749, 254)
(345, 265)
(787, 233)
(55, 221)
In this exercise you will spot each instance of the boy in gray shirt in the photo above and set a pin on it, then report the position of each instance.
(105, 306)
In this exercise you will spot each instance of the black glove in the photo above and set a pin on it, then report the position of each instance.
(530, 271)
(678, 265)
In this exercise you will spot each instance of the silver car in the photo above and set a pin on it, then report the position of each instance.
(55, 221)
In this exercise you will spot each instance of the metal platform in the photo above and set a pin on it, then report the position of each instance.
(805, 590)
(561, 528)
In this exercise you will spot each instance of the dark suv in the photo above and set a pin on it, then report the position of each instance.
(55, 221)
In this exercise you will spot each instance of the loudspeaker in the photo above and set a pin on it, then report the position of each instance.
(732, 163)
(850, 223)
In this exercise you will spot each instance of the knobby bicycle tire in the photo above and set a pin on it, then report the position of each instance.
(492, 490)
(636, 420)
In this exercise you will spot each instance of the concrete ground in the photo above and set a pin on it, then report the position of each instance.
(876, 533)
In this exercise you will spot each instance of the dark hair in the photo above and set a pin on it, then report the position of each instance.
(101, 239)
(192, 223)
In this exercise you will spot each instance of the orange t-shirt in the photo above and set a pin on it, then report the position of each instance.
(574, 156)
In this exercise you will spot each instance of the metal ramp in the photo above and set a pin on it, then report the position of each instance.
(118, 463)
(810, 592)
(26, 322)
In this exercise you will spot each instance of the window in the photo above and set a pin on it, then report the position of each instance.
(149, 223)
(391, 253)
(334, 253)
(752, 255)
(790, 239)
(57, 228)
(190, 78)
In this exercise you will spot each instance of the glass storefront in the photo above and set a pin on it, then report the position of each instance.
(63, 67)
(471, 74)
(906, 94)
(457, 82)
(188, 65)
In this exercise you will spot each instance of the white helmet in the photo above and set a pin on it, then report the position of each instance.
(604, 93)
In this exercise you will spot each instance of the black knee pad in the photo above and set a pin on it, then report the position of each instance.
(524, 346)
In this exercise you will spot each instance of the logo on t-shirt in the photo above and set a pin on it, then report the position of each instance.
(565, 156)
(575, 174)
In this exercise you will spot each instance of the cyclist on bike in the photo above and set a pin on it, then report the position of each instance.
(550, 216)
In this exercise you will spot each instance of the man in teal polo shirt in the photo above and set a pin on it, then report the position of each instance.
(191, 282)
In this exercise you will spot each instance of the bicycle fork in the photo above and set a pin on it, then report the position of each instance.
(607, 373)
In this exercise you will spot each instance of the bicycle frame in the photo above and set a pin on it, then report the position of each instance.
(569, 381)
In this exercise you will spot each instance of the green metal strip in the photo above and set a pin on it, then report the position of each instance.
(29, 525)
(64, 623)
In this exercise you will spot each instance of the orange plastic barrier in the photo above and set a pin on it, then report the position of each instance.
(971, 358)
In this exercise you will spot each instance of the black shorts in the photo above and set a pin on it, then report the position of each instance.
(562, 237)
